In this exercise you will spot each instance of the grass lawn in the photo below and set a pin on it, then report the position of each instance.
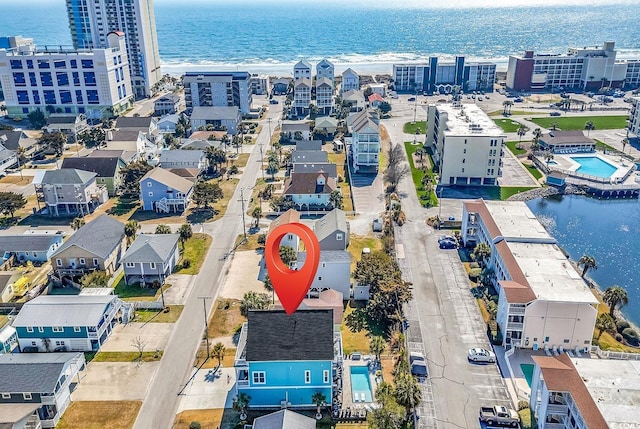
(602, 145)
(513, 147)
(527, 419)
(416, 174)
(534, 171)
(124, 208)
(608, 341)
(171, 316)
(339, 159)
(100, 414)
(353, 341)
(240, 161)
(512, 113)
(137, 293)
(577, 122)
(126, 356)
(410, 128)
(3, 320)
(211, 418)
(195, 249)
(357, 243)
(250, 244)
(506, 192)
(507, 125)
(16, 180)
(228, 360)
(226, 318)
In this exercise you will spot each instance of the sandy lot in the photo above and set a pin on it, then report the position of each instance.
(245, 274)
(180, 288)
(115, 381)
(155, 335)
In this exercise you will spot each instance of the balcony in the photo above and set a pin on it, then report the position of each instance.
(515, 326)
(242, 383)
(557, 409)
(517, 310)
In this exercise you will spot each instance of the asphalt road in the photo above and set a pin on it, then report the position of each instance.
(161, 403)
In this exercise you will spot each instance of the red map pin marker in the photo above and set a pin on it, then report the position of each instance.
(291, 285)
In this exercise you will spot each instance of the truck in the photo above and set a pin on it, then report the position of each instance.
(498, 414)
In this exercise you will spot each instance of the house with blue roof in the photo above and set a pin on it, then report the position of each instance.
(283, 360)
(53, 323)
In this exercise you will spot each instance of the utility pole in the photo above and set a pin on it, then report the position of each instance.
(244, 226)
(415, 107)
(206, 324)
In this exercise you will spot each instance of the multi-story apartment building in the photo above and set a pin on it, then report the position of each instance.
(91, 22)
(302, 70)
(580, 68)
(365, 141)
(218, 89)
(543, 302)
(634, 116)
(95, 82)
(326, 69)
(259, 84)
(301, 95)
(574, 393)
(324, 95)
(466, 143)
(350, 80)
(443, 76)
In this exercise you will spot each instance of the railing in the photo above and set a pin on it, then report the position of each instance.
(605, 354)
(517, 310)
(242, 383)
(515, 326)
(554, 426)
(557, 409)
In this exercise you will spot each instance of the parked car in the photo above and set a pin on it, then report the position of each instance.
(500, 415)
(411, 99)
(554, 114)
(273, 101)
(415, 356)
(446, 244)
(481, 355)
(518, 100)
(419, 368)
(447, 238)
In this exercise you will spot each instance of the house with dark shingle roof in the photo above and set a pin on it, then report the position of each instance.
(14, 140)
(70, 192)
(107, 170)
(69, 124)
(151, 257)
(332, 230)
(148, 125)
(310, 191)
(164, 191)
(282, 360)
(98, 245)
(29, 247)
(572, 141)
(37, 382)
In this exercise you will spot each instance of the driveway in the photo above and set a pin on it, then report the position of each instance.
(179, 290)
(155, 334)
(201, 394)
(115, 381)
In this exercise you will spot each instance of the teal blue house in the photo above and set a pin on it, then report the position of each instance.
(282, 361)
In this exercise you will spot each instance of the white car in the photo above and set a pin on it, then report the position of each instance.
(481, 355)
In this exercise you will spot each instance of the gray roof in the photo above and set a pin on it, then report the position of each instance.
(309, 156)
(27, 242)
(302, 64)
(100, 237)
(359, 121)
(275, 336)
(61, 118)
(316, 167)
(293, 126)
(335, 220)
(125, 135)
(6, 154)
(151, 248)
(32, 372)
(328, 256)
(63, 310)
(124, 122)
(304, 81)
(188, 144)
(103, 166)
(214, 112)
(284, 419)
(178, 155)
(67, 176)
(168, 98)
(326, 121)
(350, 71)
(170, 179)
(324, 81)
(12, 140)
(13, 413)
(566, 137)
(308, 144)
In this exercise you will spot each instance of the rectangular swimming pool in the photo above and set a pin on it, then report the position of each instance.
(360, 384)
(594, 166)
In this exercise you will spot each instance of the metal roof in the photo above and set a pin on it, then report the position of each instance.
(67, 176)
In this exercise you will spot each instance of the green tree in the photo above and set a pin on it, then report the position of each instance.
(335, 199)
(374, 269)
(55, 141)
(482, 252)
(268, 285)
(36, 119)
(587, 263)
(377, 346)
(185, 232)
(206, 193)
(554, 126)
(615, 296)
(195, 425)
(408, 393)
(273, 166)
(256, 214)
(389, 414)
(240, 404)
(10, 202)
(288, 255)
(216, 157)
(605, 322)
(131, 175)
(385, 107)
(130, 230)
(548, 156)
(77, 223)
(522, 130)
(163, 229)
(589, 126)
(95, 279)
(507, 107)
(319, 400)
(253, 301)
(92, 137)
(218, 352)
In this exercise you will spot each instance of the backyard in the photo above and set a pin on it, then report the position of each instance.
(507, 125)
(577, 122)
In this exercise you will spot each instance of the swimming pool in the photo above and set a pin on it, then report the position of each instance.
(594, 166)
(527, 370)
(361, 384)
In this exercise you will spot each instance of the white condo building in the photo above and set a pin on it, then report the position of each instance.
(301, 95)
(218, 89)
(324, 95)
(302, 70)
(91, 21)
(326, 69)
(467, 145)
(574, 393)
(543, 302)
(444, 75)
(634, 116)
(364, 127)
(95, 82)
(350, 80)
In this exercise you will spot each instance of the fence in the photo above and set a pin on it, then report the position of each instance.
(605, 354)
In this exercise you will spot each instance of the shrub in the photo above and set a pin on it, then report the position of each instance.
(474, 273)
(631, 336)
(618, 337)
(522, 405)
(621, 325)
(195, 425)
(340, 178)
(186, 263)
(474, 265)
(262, 239)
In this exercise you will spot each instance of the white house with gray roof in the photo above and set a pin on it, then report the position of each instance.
(69, 192)
(29, 247)
(284, 419)
(164, 191)
(218, 116)
(60, 323)
(302, 70)
(350, 80)
(36, 388)
(365, 141)
(151, 257)
(334, 272)
(325, 68)
(179, 158)
(98, 245)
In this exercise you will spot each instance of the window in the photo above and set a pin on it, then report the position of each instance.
(59, 343)
(92, 96)
(62, 78)
(74, 64)
(96, 262)
(32, 79)
(546, 339)
(36, 97)
(19, 79)
(76, 78)
(49, 96)
(59, 64)
(16, 64)
(23, 97)
(76, 329)
(59, 262)
(65, 97)
(566, 341)
(29, 328)
(83, 261)
(87, 64)
(46, 79)
(130, 264)
(307, 377)
(259, 377)
(26, 396)
(325, 376)
(149, 184)
(29, 64)
(339, 236)
(44, 64)
(6, 396)
(152, 265)
(79, 96)
(57, 329)
(40, 329)
(89, 78)
(150, 194)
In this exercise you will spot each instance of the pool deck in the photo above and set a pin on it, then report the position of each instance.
(347, 395)
(567, 162)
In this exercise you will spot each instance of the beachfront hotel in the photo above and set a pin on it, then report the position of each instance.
(95, 82)
(91, 21)
(442, 76)
(466, 143)
(573, 393)
(543, 302)
(588, 68)
(218, 89)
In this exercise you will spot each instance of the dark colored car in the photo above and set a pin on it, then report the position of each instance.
(411, 99)
(446, 244)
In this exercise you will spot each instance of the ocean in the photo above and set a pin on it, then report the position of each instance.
(270, 37)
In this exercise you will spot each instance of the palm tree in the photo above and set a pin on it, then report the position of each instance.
(269, 286)
(625, 142)
(482, 252)
(589, 126)
(319, 400)
(77, 223)
(335, 199)
(257, 214)
(522, 130)
(408, 392)
(130, 230)
(554, 125)
(548, 156)
(507, 107)
(377, 346)
(185, 232)
(163, 229)
(218, 352)
(240, 404)
(615, 296)
(605, 322)
(587, 263)
(535, 142)
(288, 255)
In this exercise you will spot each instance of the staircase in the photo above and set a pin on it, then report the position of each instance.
(162, 206)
